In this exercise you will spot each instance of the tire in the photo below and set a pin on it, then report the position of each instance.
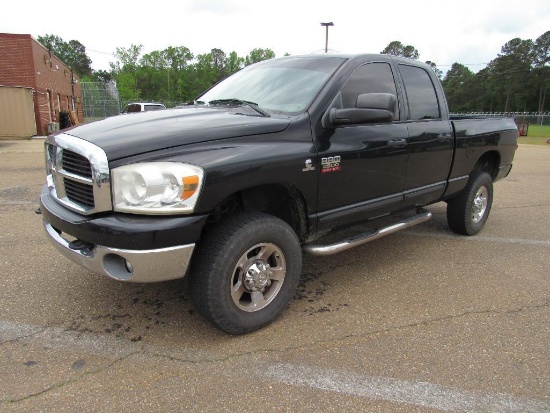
(245, 272)
(468, 213)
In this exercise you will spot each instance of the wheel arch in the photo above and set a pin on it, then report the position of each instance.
(281, 201)
(488, 162)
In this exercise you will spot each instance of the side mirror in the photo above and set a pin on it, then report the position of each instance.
(384, 101)
(369, 108)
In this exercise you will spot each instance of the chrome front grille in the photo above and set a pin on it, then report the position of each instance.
(78, 174)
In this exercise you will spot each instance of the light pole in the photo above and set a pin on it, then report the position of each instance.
(326, 38)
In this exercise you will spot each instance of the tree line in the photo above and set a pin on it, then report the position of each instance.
(517, 80)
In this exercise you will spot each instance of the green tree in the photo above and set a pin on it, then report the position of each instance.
(218, 62)
(541, 60)
(178, 61)
(433, 66)
(396, 48)
(127, 86)
(204, 74)
(177, 58)
(125, 69)
(72, 53)
(234, 63)
(456, 84)
(478, 94)
(102, 76)
(518, 79)
(510, 73)
(258, 55)
(161, 74)
(127, 59)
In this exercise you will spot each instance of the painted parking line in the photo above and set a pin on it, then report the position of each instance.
(478, 238)
(421, 394)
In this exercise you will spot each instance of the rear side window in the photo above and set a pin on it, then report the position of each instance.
(369, 78)
(420, 93)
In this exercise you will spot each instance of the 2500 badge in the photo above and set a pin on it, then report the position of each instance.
(331, 164)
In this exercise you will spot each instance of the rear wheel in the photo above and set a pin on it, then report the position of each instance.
(245, 272)
(468, 213)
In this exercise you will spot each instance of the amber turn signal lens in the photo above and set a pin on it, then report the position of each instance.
(190, 185)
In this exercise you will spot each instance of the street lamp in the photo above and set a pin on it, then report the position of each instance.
(326, 39)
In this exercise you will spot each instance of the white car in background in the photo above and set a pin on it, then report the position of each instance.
(142, 107)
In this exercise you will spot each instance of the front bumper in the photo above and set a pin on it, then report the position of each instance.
(126, 265)
(122, 246)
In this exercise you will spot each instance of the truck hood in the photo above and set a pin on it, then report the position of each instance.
(136, 133)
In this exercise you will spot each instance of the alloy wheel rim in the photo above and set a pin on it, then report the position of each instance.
(479, 205)
(258, 277)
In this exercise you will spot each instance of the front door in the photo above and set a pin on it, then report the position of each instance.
(362, 167)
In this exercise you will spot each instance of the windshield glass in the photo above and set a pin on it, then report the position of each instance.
(286, 85)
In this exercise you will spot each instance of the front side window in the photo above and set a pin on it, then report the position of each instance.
(420, 93)
(369, 78)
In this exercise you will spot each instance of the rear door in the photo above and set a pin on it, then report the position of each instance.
(430, 140)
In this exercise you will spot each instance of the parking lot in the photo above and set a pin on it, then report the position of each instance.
(420, 321)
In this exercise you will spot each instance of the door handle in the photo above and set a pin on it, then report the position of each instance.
(397, 143)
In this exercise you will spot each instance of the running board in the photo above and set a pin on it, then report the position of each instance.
(421, 216)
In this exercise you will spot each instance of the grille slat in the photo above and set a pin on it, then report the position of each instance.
(51, 152)
(76, 164)
(79, 192)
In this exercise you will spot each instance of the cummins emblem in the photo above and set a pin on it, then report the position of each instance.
(308, 166)
(331, 164)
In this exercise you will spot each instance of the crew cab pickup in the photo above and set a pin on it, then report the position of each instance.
(311, 154)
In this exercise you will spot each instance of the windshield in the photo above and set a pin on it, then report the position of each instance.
(286, 85)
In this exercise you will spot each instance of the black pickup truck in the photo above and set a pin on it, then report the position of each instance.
(286, 156)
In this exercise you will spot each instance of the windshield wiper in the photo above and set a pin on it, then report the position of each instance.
(240, 102)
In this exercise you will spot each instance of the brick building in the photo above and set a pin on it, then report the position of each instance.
(25, 63)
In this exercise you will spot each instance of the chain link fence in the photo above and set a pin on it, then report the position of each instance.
(532, 118)
(99, 100)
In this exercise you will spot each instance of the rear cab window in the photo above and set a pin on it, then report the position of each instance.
(420, 92)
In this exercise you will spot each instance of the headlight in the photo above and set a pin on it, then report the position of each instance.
(156, 188)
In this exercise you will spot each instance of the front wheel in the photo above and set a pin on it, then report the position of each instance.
(245, 272)
(467, 213)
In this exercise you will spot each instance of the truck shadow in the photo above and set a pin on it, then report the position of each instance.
(138, 312)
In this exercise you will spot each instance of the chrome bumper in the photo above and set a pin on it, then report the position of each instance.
(142, 266)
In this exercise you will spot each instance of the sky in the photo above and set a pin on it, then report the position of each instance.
(470, 32)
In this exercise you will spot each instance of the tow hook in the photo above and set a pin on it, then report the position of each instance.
(80, 245)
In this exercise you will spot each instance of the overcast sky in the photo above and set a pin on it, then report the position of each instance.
(470, 32)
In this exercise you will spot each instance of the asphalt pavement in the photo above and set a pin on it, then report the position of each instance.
(420, 321)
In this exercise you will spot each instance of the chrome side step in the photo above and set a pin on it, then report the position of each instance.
(421, 216)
